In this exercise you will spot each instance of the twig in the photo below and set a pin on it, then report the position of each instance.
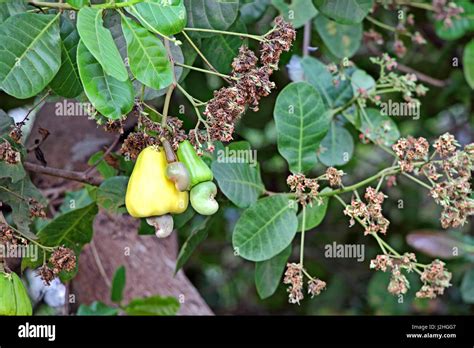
(99, 264)
(306, 38)
(61, 173)
(34, 107)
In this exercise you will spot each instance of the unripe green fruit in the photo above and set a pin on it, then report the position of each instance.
(198, 170)
(202, 198)
(14, 298)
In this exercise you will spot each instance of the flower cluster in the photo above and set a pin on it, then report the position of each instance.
(36, 208)
(249, 84)
(62, 259)
(445, 11)
(305, 189)
(435, 280)
(450, 177)
(294, 278)
(409, 150)
(334, 176)
(8, 237)
(405, 84)
(373, 36)
(16, 133)
(370, 214)
(8, 154)
(114, 126)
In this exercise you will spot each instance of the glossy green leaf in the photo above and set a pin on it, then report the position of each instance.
(111, 97)
(153, 305)
(344, 11)
(10, 8)
(30, 53)
(67, 82)
(252, 10)
(240, 182)
(467, 286)
(342, 40)
(297, 12)
(265, 229)
(378, 128)
(220, 50)
(315, 213)
(337, 147)
(167, 17)
(268, 273)
(317, 74)
(147, 56)
(118, 285)
(111, 194)
(211, 14)
(468, 63)
(100, 43)
(77, 4)
(72, 229)
(76, 200)
(197, 233)
(302, 122)
(97, 308)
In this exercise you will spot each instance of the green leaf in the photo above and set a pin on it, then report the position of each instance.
(118, 285)
(361, 80)
(297, 12)
(99, 42)
(167, 17)
(342, 40)
(76, 200)
(337, 147)
(105, 169)
(6, 122)
(10, 8)
(468, 62)
(111, 194)
(16, 196)
(196, 235)
(378, 128)
(15, 172)
(240, 182)
(97, 308)
(467, 286)
(211, 14)
(77, 4)
(145, 229)
(302, 122)
(220, 49)
(344, 11)
(460, 26)
(268, 273)
(67, 82)
(265, 229)
(252, 10)
(314, 213)
(72, 229)
(111, 97)
(30, 53)
(317, 74)
(154, 305)
(147, 56)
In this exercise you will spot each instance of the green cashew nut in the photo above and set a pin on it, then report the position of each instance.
(198, 170)
(178, 174)
(202, 198)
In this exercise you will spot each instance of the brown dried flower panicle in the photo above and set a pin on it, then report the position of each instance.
(8, 154)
